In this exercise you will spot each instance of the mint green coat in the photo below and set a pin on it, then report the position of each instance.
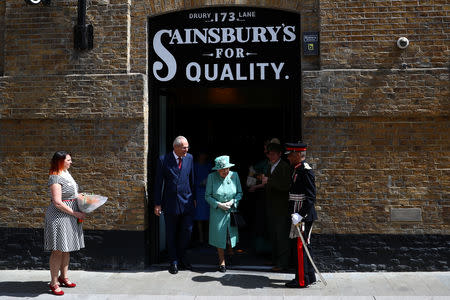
(220, 189)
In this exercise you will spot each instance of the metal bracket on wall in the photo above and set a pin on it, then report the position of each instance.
(84, 37)
(83, 33)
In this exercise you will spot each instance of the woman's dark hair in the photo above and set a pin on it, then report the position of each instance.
(57, 162)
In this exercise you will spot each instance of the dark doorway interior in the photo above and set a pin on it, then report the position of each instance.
(235, 122)
(232, 121)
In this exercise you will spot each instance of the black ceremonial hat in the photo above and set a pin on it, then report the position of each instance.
(295, 147)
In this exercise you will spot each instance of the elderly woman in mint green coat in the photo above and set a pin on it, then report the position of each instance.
(223, 192)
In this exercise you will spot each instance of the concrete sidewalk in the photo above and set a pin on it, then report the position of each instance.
(207, 284)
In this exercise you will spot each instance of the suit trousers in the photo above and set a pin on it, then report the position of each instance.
(279, 235)
(178, 235)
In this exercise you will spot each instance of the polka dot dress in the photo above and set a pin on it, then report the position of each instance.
(61, 231)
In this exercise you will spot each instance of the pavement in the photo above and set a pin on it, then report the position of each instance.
(204, 283)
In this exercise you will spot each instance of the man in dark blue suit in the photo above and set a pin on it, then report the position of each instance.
(174, 186)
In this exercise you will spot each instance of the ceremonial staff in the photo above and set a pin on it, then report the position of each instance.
(309, 255)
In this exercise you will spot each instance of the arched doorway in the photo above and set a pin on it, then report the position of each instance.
(227, 78)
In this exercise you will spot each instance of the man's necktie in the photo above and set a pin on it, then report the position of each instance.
(179, 162)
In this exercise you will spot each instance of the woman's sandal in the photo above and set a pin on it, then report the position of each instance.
(54, 288)
(65, 282)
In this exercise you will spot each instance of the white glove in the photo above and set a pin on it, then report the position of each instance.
(230, 203)
(296, 218)
(223, 206)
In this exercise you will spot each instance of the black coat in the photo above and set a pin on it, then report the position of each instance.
(277, 189)
(303, 182)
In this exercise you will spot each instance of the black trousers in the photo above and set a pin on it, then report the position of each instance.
(279, 227)
(178, 235)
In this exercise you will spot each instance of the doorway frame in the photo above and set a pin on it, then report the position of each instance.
(293, 124)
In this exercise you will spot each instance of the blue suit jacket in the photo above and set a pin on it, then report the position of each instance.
(174, 187)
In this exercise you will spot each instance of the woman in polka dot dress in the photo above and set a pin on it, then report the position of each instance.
(62, 232)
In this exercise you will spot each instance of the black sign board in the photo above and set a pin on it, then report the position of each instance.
(224, 46)
(310, 43)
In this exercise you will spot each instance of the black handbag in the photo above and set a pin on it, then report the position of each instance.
(236, 219)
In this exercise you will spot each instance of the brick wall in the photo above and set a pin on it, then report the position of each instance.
(120, 43)
(2, 36)
(100, 119)
(378, 134)
(57, 98)
(378, 126)
(367, 166)
(379, 140)
(53, 91)
(363, 34)
(39, 39)
(74, 97)
(384, 93)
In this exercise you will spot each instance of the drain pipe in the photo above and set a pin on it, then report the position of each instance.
(83, 33)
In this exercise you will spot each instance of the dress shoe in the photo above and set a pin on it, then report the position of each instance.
(54, 288)
(222, 269)
(293, 284)
(66, 282)
(173, 269)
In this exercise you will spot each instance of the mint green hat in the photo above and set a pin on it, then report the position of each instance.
(222, 162)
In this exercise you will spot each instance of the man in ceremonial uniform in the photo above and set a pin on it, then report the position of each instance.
(302, 197)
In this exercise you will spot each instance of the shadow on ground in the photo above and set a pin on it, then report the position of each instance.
(24, 289)
(243, 281)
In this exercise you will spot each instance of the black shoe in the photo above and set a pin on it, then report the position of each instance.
(293, 284)
(222, 269)
(173, 269)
